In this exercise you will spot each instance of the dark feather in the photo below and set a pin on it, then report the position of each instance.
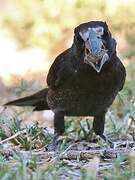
(75, 88)
(37, 100)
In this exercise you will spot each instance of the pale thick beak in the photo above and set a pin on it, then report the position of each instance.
(95, 53)
(94, 43)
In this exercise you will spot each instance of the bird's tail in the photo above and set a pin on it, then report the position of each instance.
(37, 100)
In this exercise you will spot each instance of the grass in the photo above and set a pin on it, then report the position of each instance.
(17, 165)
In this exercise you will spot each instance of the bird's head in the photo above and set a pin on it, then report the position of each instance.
(95, 43)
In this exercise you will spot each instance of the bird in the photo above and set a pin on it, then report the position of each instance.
(83, 80)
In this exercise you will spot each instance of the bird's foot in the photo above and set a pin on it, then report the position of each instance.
(108, 141)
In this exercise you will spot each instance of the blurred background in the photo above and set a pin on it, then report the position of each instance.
(33, 33)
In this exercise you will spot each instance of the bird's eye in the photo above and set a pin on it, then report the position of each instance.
(79, 38)
(106, 33)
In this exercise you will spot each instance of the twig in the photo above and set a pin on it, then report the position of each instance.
(54, 159)
(105, 166)
(62, 153)
(4, 108)
(84, 155)
(13, 136)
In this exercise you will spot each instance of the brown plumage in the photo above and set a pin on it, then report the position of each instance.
(84, 80)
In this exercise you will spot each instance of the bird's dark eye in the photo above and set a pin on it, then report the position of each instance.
(79, 39)
(106, 33)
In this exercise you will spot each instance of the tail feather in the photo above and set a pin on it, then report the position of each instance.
(37, 100)
(26, 101)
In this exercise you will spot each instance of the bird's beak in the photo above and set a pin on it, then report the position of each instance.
(95, 53)
(93, 44)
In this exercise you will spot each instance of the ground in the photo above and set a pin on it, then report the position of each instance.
(24, 150)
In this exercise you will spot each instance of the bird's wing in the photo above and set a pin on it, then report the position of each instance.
(61, 70)
(121, 74)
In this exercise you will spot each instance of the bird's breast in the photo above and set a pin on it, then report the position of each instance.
(84, 94)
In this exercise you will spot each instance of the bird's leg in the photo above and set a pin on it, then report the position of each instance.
(59, 128)
(98, 124)
(98, 127)
(59, 125)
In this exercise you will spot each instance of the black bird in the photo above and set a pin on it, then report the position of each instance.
(83, 80)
